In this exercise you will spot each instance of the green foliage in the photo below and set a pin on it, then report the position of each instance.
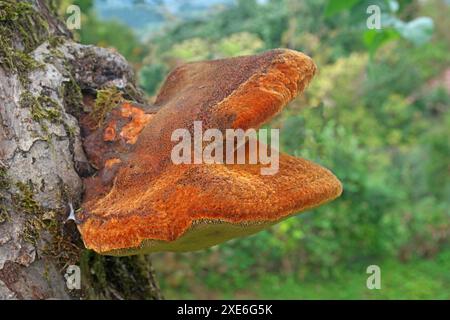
(418, 31)
(242, 43)
(112, 34)
(417, 279)
(335, 6)
(374, 39)
(194, 49)
(151, 76)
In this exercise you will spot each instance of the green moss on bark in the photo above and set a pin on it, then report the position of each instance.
(42, 221)
(41, 107)
(4, 180)
(73, 98)
(4, 187)
(4, 214)
(22, 29)
(107, 99)
(24, 200)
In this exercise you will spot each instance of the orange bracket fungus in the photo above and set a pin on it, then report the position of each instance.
(140, 201)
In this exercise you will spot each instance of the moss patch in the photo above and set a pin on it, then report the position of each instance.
(56, 41)
(4, 215)
(4, 187)
(4, 180)
(22, 29)
(107, 99)
(21, 20)
(15, 60)
(24, 200)
(41, 107)
(73, 97)
(41, 221)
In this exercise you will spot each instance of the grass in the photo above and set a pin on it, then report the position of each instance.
(417, 279)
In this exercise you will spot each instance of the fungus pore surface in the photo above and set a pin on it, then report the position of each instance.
(140, 201)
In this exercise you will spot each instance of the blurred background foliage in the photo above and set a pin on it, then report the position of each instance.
(377, 114)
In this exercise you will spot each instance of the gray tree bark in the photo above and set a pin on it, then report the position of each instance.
(44, 78)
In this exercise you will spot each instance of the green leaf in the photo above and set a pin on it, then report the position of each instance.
(374, 39)
(418, 31)
(393, 5)
(335, 6)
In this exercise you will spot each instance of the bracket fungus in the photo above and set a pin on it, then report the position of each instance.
(140, 201)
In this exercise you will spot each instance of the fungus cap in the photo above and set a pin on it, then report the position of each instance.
(141, 202)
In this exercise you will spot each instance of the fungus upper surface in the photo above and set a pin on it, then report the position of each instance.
(141, 202)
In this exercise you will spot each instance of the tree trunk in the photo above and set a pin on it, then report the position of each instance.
(44, 79)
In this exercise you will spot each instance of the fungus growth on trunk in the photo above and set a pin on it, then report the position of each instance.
(140, 201)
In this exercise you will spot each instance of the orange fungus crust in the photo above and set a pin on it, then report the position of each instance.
(140, 195)
(139, 119)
